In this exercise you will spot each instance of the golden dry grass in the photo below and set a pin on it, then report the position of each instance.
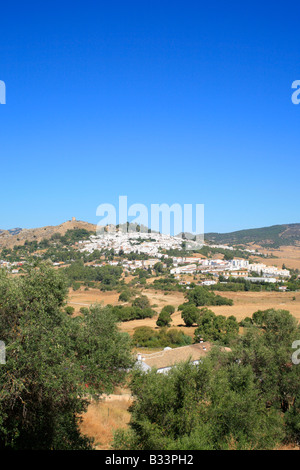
(83, 298)
(103, 418)
(288, 255)
(245, 304)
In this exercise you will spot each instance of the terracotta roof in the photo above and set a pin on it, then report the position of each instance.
(170, 357)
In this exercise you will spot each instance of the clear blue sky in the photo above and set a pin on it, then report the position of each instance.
(162, 101)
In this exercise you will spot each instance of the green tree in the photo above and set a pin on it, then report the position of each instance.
(51, 360)
(164, 319)
(141, 302)
(200, 407)
(212, 327)
(69, 310)
(190, 314)
(267, 348)
(201, 296)
(124, 296)
(169, 308)
(158, 268)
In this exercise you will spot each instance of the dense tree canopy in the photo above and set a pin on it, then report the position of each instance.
(53, 360)
(164, 319)
(201, 296)
(212, 327)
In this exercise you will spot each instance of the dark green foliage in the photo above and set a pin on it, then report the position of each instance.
(158, 268)
(51, 359)
(141, 302)
(84, 310)
(108, 276)
(212, 327)
(164, 319)
(127, 313)
(69, 310)
(267, 347)
(76, 286)
(75, 235)
(199, 407)
(292, 421)
(293, 284)
(124, 296)
(237, 285)
(201, 296)
(169, 308)
(246, 322)
(209, 252)
(145, 336)
(166, 284)
(190, 314)
(245, 398)
(58, 248)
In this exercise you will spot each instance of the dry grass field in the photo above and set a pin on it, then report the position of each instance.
(103, 418)
(83, 298)
(8, 240)
(288, 255)
(245, 304)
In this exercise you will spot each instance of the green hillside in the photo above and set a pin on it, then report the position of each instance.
(274, 236)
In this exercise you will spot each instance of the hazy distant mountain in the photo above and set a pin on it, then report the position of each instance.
(12, 231)
(274, 236)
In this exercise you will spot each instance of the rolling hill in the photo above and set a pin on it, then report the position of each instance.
(10, 238)
(274, 236)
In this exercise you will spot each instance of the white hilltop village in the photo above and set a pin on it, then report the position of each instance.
(133, 242)
(153, 244)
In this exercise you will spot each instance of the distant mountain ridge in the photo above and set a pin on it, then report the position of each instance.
(12, 231)
(273, 236)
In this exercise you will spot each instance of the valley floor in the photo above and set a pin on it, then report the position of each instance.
(245, 304)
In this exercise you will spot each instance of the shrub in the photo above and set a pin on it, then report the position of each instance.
(124, 296)
(212, 327)
(201, 296)
(145, 336)
(84, 310)
(169, 309)
(164, 319)
(141, 302)
(69, 310)
(190, 314)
